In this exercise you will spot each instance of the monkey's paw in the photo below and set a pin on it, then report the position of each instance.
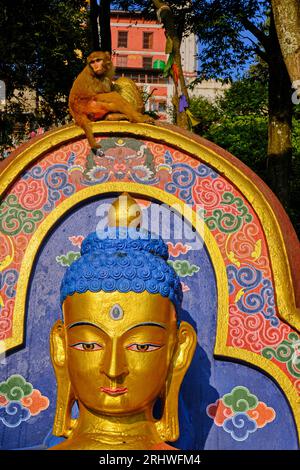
(98, 152)
(147, 119)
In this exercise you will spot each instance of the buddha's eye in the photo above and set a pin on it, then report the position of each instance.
(147, 347)
(86, 346)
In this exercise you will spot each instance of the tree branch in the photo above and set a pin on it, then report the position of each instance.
(158, 3)
(258, 33)
(93, 25)
(166, 17)
(104, 24)
(262, 54)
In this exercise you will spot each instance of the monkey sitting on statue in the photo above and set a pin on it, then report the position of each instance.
(94, 97)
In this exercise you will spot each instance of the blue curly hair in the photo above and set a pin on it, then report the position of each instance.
(125, 260)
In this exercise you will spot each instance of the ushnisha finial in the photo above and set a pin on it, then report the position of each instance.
(125, 212)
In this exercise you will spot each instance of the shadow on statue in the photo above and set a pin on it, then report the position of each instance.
(196, 394)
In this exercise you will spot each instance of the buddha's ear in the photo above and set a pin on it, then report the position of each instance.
(58, 345)
(168, 425)
(63, 422)
(183, 354)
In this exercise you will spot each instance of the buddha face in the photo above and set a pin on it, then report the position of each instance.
(118, 349)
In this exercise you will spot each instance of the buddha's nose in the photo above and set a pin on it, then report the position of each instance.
(114, 364)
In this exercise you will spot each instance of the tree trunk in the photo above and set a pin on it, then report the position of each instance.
(168, 21)
(280, 121)
(94, 39)
(287, 21)
(104, 23)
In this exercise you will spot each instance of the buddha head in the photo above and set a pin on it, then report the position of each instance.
(121, 345)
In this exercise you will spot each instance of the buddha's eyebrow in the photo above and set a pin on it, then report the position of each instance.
(84, 323)
(160, 325)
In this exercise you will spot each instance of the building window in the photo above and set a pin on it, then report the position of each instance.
(153, 106)
(162, 106)
(147, 62)
(122, 38)
(147, 40)
(122, 60)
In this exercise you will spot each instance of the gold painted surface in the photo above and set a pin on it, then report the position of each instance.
(284, 289)
(221, 349)
(117, 368)
(124, 212)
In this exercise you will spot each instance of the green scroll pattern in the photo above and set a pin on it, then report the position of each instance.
(15, 219)
(288, 352)
(227, 222)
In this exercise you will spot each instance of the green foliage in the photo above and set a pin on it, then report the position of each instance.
(37, 44)
(295, 174)
(245, 137)
(206, 112)
(246, 97)
(238, 122)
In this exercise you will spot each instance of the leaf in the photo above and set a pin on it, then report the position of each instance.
(233, 259)
(257, 250)
(239, 295)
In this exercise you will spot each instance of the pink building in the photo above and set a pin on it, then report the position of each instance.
(138, 51)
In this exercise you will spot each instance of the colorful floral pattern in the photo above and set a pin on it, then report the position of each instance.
(288, 353)
(19, 401)
(240, 413)
(254, 324)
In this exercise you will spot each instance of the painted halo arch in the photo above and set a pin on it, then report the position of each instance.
(279, 253)
(221, 349)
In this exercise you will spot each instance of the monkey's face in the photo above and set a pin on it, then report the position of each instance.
(99, 62)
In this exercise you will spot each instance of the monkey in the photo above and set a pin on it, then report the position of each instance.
(93, 96)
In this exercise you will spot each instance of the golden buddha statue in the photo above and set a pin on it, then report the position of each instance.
(120, 346)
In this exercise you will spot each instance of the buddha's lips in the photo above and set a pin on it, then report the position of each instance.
(114, 391)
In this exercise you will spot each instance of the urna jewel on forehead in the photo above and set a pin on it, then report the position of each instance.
(124, 259)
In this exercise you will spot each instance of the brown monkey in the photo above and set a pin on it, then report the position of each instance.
(92, 96)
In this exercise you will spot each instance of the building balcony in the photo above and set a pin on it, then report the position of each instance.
(142, 75)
